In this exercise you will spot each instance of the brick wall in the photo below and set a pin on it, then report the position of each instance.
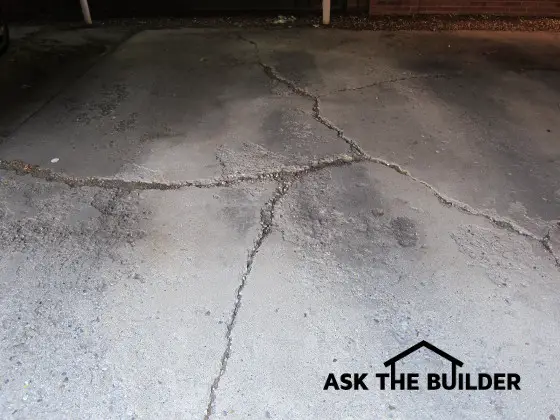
(491, 7)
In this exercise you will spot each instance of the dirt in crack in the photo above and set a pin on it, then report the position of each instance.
(23, 168)
(266, 221)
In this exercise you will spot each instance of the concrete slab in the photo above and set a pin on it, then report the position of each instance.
(174, 105)
(126, 299)
(115, 304)
(364, 264)
(44, 60)
(474, 114)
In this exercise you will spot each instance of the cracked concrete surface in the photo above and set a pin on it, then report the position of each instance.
(337, 290)
(267, 215)
(235, 214)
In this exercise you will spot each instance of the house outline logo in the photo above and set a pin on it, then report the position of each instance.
(433, 381)
(422, 344)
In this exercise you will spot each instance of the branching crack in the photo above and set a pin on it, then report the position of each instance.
(273, 74)
(357, 155)
(285, 175)
(266, 220)
(357, 150)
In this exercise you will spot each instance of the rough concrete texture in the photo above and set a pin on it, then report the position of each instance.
(166, 95)
(206, 223)
(473, 114)
(338, 290)
(115, 304)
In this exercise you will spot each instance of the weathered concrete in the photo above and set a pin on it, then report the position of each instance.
(364, 264)
(473, 114)
(115, 304)
(42, 62)
(167, 95)
(232, 215)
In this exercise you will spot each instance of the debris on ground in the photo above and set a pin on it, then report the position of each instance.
(284, 19)
(357, 22)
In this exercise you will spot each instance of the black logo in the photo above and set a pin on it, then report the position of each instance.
(433, 381)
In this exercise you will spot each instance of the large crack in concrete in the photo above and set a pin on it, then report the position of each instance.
(272, 73)
(266, 220)
(285, 175)
(356, 149)
(279, 173)
(357, 154)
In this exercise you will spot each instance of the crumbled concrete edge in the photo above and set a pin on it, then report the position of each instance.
(278, 173)
(266, 220)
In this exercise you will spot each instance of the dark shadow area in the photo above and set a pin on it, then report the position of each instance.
(107, 9)
(38, 65)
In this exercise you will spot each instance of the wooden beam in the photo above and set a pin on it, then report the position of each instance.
(85, 11)
(326, 12)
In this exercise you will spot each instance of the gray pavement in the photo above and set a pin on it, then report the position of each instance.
(206, 223)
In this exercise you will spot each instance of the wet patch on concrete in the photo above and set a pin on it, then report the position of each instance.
(110, 97)
(167, 95)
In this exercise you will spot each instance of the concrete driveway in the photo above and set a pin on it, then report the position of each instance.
(207, 223)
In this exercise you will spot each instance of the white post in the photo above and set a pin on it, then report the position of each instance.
(326, 12)
(85, 11)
